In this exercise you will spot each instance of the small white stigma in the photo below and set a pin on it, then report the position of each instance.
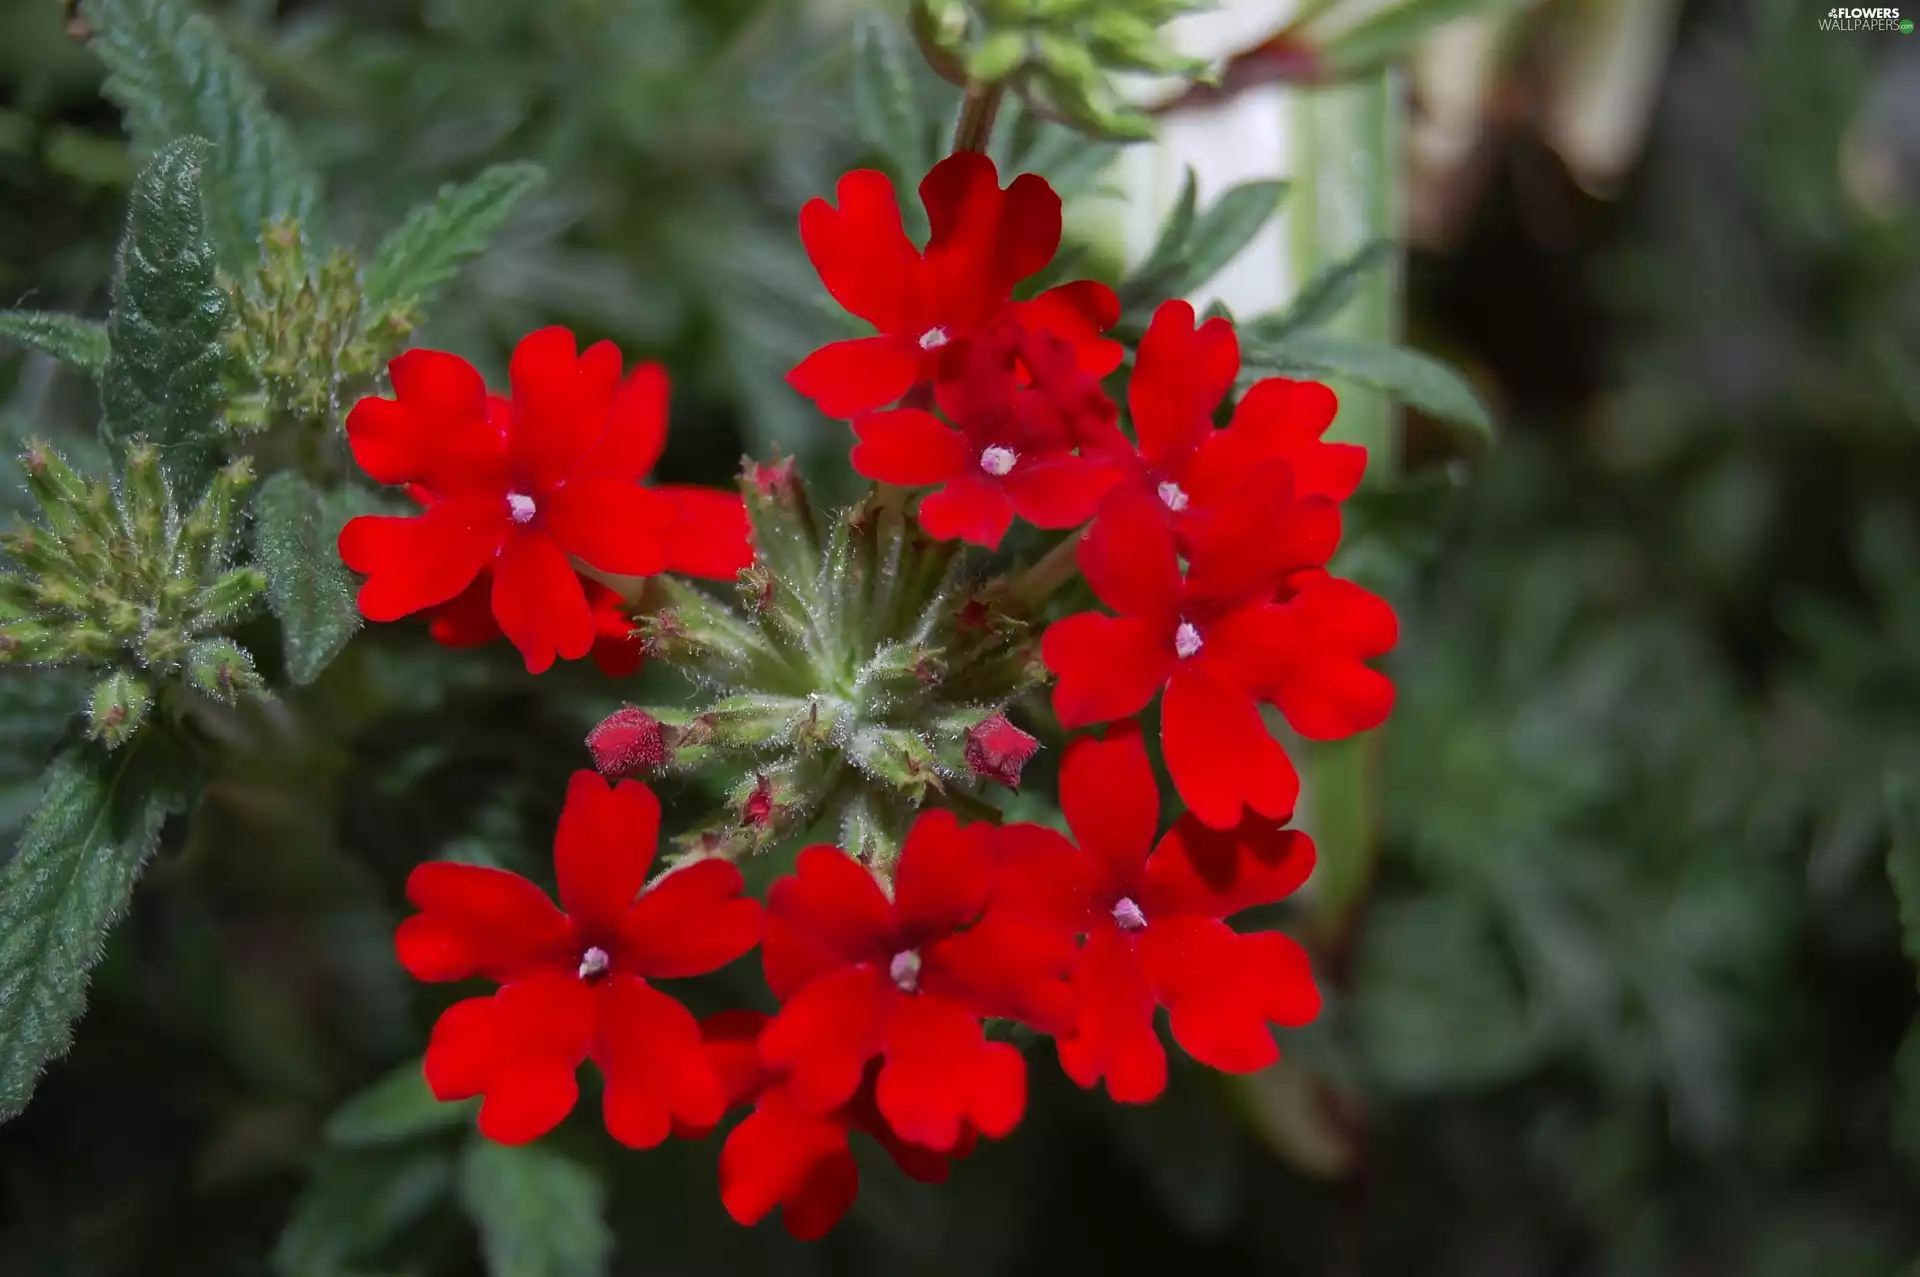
(997, 460)
(1186, 640)
(521, 506)
(1173, 497)
(1127, 915)
(905, 970)
(594, 962)
(933, 339)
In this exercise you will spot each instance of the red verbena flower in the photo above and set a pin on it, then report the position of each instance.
(521, 488)
(575, 984)
(1011, 453)
(1180, 376)
(1219, 644)
(466, 620)
(907, 980)
(784, 1156)
(928, 304)
(1153, 919)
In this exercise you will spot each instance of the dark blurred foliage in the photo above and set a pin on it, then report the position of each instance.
(1629, 988)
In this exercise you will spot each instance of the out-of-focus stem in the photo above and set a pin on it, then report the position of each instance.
(1051, 571)
(978, 109)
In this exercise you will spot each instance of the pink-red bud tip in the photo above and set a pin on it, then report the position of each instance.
(629, 740)
(997, 750)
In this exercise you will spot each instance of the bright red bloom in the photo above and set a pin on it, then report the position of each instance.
(1219, 644)
(575, 985)
(1012, 452)
(1180, 376)
(1154, 923)
(928, 304)
(522, 488)
(466, 620)
(907, 980)
(782, 1155)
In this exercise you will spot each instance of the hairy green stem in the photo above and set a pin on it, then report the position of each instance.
(978, 109)
(1048, 573)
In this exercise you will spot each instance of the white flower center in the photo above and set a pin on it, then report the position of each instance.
(1186, 640)
(933, 339)
(997, 460)
(1174, 498)
(594, 962)
(521, 506)
(1128, 916)
(905, 970)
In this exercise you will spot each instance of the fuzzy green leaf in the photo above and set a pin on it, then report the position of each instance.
(397, 1107)
(354, 1203)
(1417, 379)
(1327, 293)
(173, 75)
(162, 376)
(886, 109)
(307, 585)
(68, 338)
(539, 1214)
(1224, 228)
(70, 880)
(442, 235)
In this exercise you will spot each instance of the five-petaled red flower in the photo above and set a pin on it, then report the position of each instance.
(908, 979)
(929, 304)
(1219, 644)
(575, 985)
(517, 489)
(784, 1156)
(1154, 923)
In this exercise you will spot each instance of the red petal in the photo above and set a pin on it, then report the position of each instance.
(690, 921)
(1044, 879)
(636, 431)
(711, 537)
(476, 920)
(649, 1048)
(1128, 558)
(539, 602)
(782, 1154)
(732, 1041)
(908, 447)
(435, 431)
(1004, 968)
(1107, 667)
(1284, 420)
(618, 527)
(846, 378)
(1060, 493)
(416, 562)
(561, 405)
(984, 240)
(1112, 802)
(942, 1075)
(605, 842)
(829, 913)
(1221, 990)
(520, 1053)
(943, 877)
(466, 620)
(1211, 873)
(826, 1033)
(1179, 378)
(970, 508)
(1114, 1038)
(1321, 684)
(862, 252)
(1256, 536)
(1078, 313)
(617, 648)
(1220, 753)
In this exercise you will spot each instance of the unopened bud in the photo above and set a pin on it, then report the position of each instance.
(997, 750)
(759, 807)
(222, 669)
(118, 708)
(626, 742)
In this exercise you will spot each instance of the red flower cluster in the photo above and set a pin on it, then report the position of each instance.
(519, 491)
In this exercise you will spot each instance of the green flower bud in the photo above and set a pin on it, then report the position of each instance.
(222, 669)
(118, 707)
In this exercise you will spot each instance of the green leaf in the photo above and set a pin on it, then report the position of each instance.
(307, 585)
(1391, 32)
(886, 109)
(1223, 229)
(1903, 862)
(439, 237)
(162, 376)
(1327, 293)
(539, 1214)
(173, 76)
(98, 820)
(1419, 380)
(397, 1107)
(1150, 281)
(68, 338)
(356, 1202)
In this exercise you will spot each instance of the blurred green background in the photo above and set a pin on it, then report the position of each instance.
(1628, 994)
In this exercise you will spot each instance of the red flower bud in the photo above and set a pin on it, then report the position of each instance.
(997, 750)
(774, 479)
(758, 809)
(629, 740)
